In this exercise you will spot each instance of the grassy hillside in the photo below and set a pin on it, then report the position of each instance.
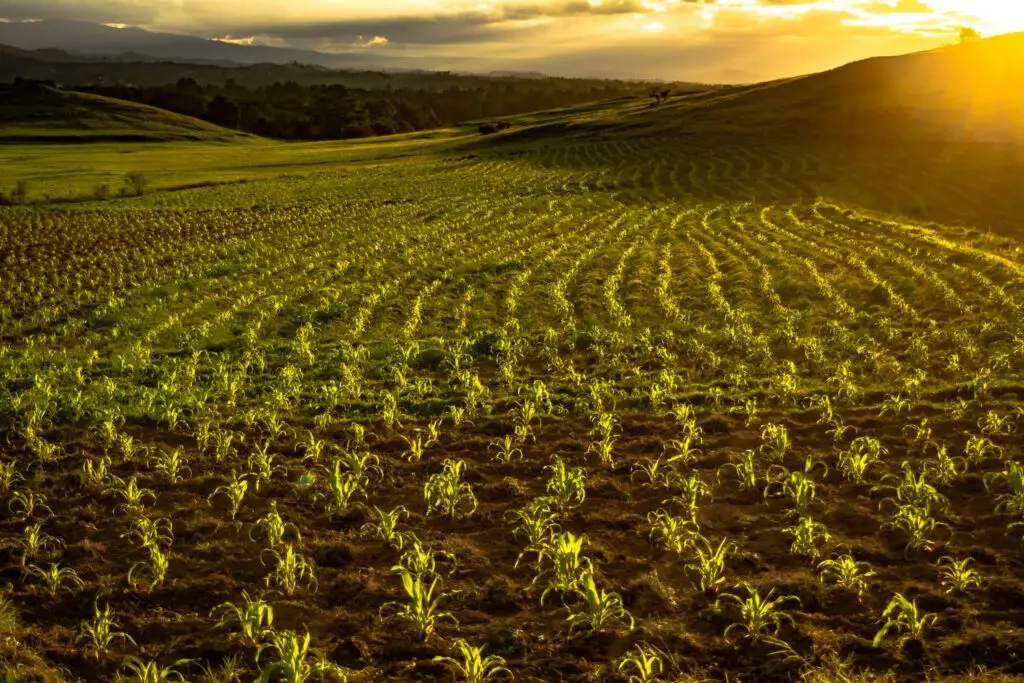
(38, 113)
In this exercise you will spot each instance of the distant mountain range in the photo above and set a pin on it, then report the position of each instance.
(136, 44)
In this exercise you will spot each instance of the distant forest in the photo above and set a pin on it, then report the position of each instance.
(291, 111)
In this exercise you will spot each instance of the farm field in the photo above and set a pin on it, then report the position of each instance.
(582, 398)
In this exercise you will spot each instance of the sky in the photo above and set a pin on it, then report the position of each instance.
(711, 40)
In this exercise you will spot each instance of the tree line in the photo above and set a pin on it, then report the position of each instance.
(292, 111)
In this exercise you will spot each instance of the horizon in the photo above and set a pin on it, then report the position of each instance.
(685, 40)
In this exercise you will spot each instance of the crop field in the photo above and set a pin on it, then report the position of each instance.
(607, 410)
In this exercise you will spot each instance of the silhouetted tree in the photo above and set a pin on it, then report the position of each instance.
(969, 35)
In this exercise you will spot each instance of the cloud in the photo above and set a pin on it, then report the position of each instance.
(135, 12)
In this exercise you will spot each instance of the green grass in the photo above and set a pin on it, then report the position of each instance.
(31, 113)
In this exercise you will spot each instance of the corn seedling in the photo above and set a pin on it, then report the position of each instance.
(774, 442)
(296, 661)
(254, 618)
(360, 464)
(902, 618)
(744, 468)
(151, 533)
(272, 528)
(691, 490)
(808, 536)
(979, 448)
(234, 492)
(415, 451)
(386, 527)
(505, 450)
(994, 424)
(339, 488)
(846, 573)
(153, 571)
(567, 486)
(55, 577)
(422, 609)
(943, 468)
(262, 467)
(137, 670)
(420, 561)
(656, 470)
(446, 492)
(35, 543)
(863, 452)
(567, 563)
(26, 504)
(99, 633)
(537, 525)
(474, 667)
(676, 534)
(642, 664)
(132, 496)
(917, 524)
(760, 617)
(709, 563)
(291, 570)
(912, 489)
(957, 576)
(1012, 502)
(172, 465)
(682, 451)
(596, 607)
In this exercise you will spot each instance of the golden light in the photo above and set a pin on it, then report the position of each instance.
(653, 26)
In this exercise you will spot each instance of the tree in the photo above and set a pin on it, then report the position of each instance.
(969, 35)
(222, 112)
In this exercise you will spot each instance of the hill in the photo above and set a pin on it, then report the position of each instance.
(965, 93)
(31, 112)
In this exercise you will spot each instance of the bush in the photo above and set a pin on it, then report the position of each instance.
(20, 193)
(136, 183)
(487, 129)
(101, 191)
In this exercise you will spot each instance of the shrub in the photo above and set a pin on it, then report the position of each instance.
(136, 183)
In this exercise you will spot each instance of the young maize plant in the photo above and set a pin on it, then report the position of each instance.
(386, 528)
(682, 451)
(339, 486)
(254, 617)
(846, 573)
(1013, 502)
(25, 504)
(272, 528)
(261, 465)
(596, 607)
(446, 492)
(863, 452)
(291, 570)
(390, 412)
(505, 450)
(656, 470)
(895, 404)
(795, 485)
(943, 468)
(138, 670)
(153, 571)
(474, 667)
(920, 434)
(296, 661)
(761, 617)
(744, 468)
(808, 536)
(709, 563)
(902, 618)
(313, 447)
(234, 492)
(9, 475)
(423, 607)
(917, 524)
(222, 448)
(537, 525)
(414, 453)
(994, 424)
(99, 633)
(151, 533)
(132, 497)
(603, 449)
(775, 442)
(567, 565)
(957, 576)
(56, 577)
(979, 448)
(171, 464)
(422, 562)
(691, 491)
(676, 534)
(567, 486)
(642, 664)
(35, 543)
(912, 490)
(360, 464)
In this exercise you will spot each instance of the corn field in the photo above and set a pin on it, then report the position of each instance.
(485, 419)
